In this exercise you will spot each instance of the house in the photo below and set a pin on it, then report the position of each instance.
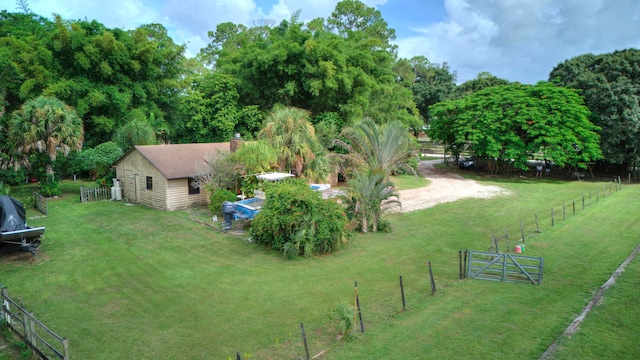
(163, 176)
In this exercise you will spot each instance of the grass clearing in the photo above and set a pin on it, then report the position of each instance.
(124, 281)
(406, 182)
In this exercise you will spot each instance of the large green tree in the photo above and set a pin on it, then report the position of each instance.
(337, 67)
(46, 125)
(211, 111)
(511, 123)
(610, 85)
(103, 73)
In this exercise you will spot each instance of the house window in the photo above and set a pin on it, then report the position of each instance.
(149, 183)
(194, 187)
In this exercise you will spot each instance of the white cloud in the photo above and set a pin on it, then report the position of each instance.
(523, 40)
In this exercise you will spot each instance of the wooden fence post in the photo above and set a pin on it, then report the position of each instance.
(506, 238)
(537, 225)
(433, 282)
(573, 202)
(582, 201)
(304, 339)
(359, 313)
(564, 211)
(464, 269)
(552, 217)
(521, 231)
(402, 293)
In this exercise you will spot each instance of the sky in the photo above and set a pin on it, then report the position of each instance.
(517, 40)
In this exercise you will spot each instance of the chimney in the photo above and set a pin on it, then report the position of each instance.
(234, 144)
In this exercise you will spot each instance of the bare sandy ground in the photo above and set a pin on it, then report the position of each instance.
(444, 187)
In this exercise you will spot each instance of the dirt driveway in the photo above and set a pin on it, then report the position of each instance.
(444, 187)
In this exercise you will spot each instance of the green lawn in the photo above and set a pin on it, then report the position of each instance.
(123, 281)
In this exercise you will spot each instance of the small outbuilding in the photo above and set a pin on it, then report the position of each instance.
(164, 176)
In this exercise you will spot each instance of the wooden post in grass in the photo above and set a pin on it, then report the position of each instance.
(359, 314)
(404, 307)
(589, 197)
(433, 282)
(573, 203)
(304, 340)
(604, 190)
(506, 238)
(582, 201)
(460, 258)
(238, 356)
(521, 231)
(564, 211)
(355, 306)
(552, 217)
(464, 271)
(610, 186)
(537, 225)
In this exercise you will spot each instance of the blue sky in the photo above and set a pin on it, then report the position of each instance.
(518, 40)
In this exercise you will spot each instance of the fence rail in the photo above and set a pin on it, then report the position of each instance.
(41, 203)
(44, 342)
(93, 194)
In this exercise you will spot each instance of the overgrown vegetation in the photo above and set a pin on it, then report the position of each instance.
(296, 221)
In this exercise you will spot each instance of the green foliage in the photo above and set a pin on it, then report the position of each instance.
(10, 176)
(511, 123)
(296, 221)
(429, 82)
(50, 187)
(289, 131)
(135, 132)
(343, 312)
(256, 157)
(377, 149)
(609, 85)
(103, 73)
(218, 197)
(46, 125)
(98, 160)
(344, 67)
(482, 81)
(212, 113)
(368, 197)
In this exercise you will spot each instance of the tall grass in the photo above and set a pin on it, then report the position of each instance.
(123, 281)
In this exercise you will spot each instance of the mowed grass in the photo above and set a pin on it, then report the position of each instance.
(123, 281)
(405, 182)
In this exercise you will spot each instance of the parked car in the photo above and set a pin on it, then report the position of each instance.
(466, 163)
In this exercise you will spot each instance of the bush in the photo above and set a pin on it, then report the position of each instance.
(13, 177)
(296, 221)
(50, 187)
(218, 197)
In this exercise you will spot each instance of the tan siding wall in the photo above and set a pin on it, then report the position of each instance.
(179, 198)
(135, 164)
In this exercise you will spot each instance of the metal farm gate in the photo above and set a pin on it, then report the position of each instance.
(504, 267)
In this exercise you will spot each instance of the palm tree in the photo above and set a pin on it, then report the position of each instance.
(290, 132)
(379, 149)
(46, 125)
(370, 196)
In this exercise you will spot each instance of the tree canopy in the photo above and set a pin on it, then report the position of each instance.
(512, 123)
(343, 65)
(610, 84)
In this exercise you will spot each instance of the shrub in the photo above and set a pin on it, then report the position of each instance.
(50, 187)
(296, 221)
(218, 197)
(13, 177)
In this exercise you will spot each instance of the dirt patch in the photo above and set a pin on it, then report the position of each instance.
(444, 187)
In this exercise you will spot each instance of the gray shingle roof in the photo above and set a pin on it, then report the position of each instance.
(179, 161)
